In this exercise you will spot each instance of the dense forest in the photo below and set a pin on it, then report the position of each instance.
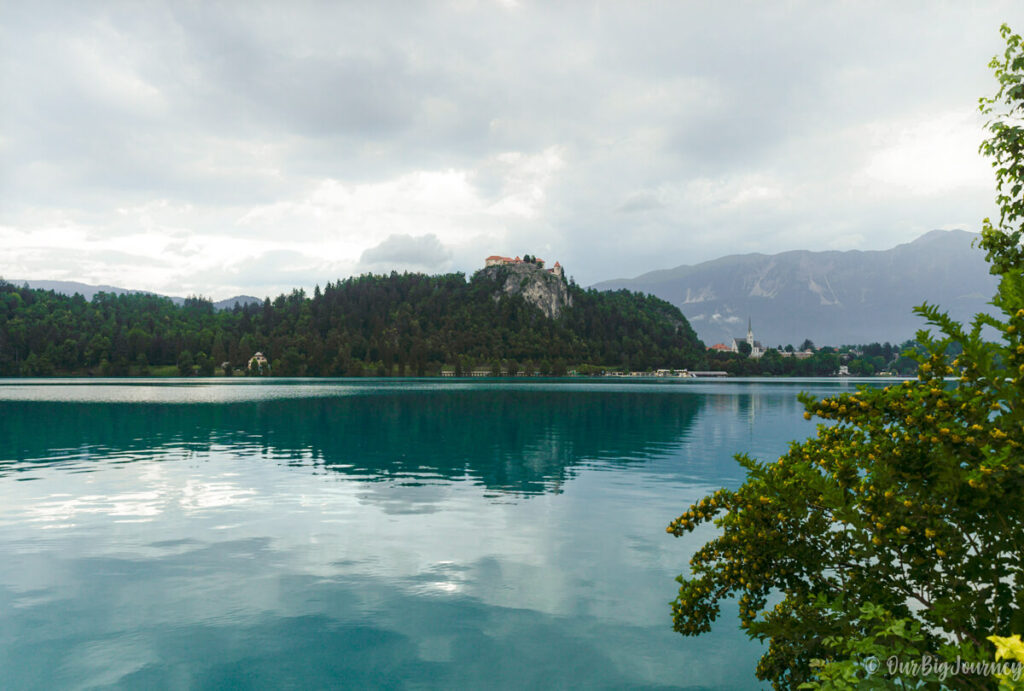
(397, 324)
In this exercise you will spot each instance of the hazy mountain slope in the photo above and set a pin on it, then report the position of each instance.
(829, 297)
(71, 287)
(88, 291)
(242, 300)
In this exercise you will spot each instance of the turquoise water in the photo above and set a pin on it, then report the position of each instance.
(354, 533)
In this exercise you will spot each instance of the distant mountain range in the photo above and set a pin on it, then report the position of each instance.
(832, 298)
(88, 291)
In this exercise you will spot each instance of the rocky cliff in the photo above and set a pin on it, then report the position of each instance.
(548, 292)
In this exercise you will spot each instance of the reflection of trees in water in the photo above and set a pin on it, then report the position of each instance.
(511, 440)
(753, 401)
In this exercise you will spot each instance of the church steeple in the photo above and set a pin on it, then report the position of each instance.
(750, 333)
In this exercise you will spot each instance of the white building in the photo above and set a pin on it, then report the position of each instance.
(756, 349)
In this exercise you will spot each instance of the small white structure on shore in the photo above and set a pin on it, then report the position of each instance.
(258, 362)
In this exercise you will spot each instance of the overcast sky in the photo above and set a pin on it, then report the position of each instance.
(194, 148)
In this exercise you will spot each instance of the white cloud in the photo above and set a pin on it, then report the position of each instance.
(331, 229)
(928, 157)
(405, 252)
(191, 139)
(733, 192)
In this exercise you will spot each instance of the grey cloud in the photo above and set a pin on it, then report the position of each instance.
(423, 251)
(268, 273)
(640, 201)
(235, 105)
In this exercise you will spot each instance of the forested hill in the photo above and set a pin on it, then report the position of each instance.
(409, 324)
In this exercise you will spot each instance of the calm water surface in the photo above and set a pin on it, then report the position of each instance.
(352, 533)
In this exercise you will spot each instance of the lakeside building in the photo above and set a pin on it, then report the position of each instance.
(258, 362)
(756, 349)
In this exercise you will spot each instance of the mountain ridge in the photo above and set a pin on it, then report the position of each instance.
(88, 290)
(831, 297)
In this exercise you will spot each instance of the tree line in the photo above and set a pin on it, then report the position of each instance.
(860, 360)
(397, 324)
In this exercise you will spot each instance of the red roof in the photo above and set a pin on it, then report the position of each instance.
(720, 346)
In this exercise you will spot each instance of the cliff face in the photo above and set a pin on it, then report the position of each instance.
(547, 292)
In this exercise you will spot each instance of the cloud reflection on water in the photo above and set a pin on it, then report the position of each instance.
(479, 536)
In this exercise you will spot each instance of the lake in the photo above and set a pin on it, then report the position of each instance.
(368, 533)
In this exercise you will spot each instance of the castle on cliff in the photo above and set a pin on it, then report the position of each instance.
(497, 260)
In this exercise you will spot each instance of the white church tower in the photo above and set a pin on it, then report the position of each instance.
(756, 349)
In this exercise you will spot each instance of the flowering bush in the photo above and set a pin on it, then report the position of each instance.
(909, 500)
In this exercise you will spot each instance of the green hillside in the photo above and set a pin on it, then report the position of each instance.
(397, 324)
